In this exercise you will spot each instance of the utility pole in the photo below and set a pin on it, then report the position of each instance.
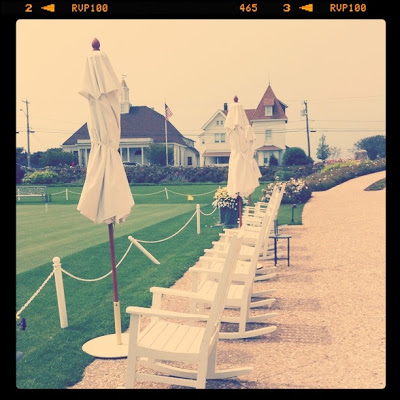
(308, 133)
(27, 130)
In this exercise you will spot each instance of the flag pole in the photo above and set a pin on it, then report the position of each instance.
(166, 132)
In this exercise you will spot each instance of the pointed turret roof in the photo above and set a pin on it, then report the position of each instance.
(269, 99)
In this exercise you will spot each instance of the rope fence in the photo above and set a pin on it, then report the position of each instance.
(101, 277)
(165, 190)
(58, 270)
(212, 212)
(193, 195)
(34, 295)
(169, 237)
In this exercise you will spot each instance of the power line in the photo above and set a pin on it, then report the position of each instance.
(28, 131)
(289, 130)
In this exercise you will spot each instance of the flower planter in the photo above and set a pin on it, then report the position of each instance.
(229, 216)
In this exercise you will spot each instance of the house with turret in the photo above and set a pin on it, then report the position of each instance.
(268, 121)
(140, 127)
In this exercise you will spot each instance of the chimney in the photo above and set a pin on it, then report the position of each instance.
(225, 106)
(125, 104)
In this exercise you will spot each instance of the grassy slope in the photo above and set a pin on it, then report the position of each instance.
(53, 357)
(46, 231)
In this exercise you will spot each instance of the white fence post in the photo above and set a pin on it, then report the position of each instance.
(62, 308)
(66, 194)
(198, 218)
(166, 193)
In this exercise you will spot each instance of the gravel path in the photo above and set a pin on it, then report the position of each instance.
(331, 304)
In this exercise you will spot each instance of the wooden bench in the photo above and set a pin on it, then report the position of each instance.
(33, 191)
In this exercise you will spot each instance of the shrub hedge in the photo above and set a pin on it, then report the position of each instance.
(318, 176)
(337, 174)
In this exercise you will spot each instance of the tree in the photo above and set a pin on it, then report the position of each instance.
(21, 157)
(157, 154)
(335, 153)
(273, 161)
(323, 149)
(53, 158)
(36, 159)
(296, 156)
(19, 173)
(375, 146)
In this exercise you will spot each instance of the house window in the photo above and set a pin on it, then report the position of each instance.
(265, 158)
(222, 160)
(190, 162)
(219, 138)
(268, 111)
(268, 136)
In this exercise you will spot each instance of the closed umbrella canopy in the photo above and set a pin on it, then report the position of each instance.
(243, 172)
(106, 195)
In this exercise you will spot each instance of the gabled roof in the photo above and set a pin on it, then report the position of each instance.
(249, 113)
(140, 122)
(269, 99)
(223, 112)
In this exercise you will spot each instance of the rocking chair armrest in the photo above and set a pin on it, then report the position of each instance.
(241, 277)
(210, 272)
(151, 312)
(178, 293)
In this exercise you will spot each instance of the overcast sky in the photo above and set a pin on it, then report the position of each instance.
(337, 66)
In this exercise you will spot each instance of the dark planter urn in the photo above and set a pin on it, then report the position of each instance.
(229, 216)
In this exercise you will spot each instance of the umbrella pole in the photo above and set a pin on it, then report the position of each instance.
(113, 345)
(117, 310)
(240, 210)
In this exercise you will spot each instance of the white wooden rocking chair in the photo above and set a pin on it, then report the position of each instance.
(253, 226)
(241, 295)
(214, 258)
(165, 340)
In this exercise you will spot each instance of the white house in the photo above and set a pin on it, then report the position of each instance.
(268, 121)
(140, 126)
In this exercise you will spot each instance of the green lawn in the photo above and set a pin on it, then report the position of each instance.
(48, 230)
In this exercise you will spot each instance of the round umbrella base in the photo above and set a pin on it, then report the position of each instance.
(107, 347)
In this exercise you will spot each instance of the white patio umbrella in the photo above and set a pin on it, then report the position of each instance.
(106, 196)
(243, 171)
